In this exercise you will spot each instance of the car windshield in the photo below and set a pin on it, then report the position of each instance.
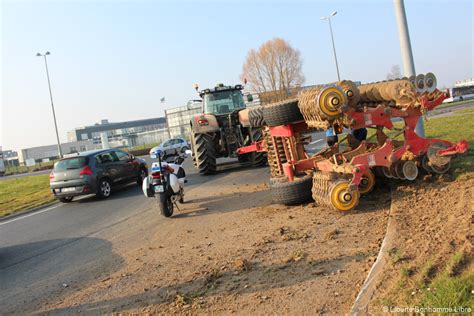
(71, 163)
(223, 102)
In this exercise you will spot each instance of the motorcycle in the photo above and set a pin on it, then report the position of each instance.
(166, 182)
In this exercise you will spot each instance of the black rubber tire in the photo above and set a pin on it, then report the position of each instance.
(140, 176)
(282, 113)
(65, 199)
(256, 117)
(165, 205)
(101, 193)
(205, 154)
(257, 158)
(291, 193)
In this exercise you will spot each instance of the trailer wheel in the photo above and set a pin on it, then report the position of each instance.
(257, 158)
(282, 113)
(341, 198)
(256, 117)
(290, 193)
(205, 153)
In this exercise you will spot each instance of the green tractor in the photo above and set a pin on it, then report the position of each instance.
(224, 127)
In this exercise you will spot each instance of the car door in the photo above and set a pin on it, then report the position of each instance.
(110, 167)
(176, 145)
(167, 148)
(129, 166)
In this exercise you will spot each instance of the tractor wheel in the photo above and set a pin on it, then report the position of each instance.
(282, 113)
(290, 193)
(257, 158)
(256, 117)
(205, 153)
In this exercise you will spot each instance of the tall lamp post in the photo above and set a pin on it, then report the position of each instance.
(60, 152)
(332, 40)
(407, 53)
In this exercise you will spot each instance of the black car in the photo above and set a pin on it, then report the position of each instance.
(96, 172)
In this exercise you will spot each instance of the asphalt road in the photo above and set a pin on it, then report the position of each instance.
(58, 249)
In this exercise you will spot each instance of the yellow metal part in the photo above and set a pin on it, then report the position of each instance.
(367, 183)
(342, 198)
(330, 100)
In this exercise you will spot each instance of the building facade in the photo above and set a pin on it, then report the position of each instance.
(116, 132)
(178, 118)
(50, 152)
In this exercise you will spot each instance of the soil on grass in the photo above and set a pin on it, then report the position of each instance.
(435, 235)
(232, 251)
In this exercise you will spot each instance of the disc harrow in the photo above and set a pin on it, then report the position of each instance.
(341, 176)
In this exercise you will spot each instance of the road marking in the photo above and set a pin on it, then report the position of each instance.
(316, 141)
(31, 214)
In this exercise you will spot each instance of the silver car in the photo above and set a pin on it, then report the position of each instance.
(172, 146)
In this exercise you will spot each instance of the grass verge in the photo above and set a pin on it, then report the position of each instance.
(24, 193)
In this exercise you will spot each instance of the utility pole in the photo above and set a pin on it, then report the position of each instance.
(332, 40)
(407, 53)
(60, 152)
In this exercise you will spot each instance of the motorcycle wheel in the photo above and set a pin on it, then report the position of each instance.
(165, 204)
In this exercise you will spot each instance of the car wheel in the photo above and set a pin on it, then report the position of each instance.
(105, 189)
(65, 199)
(143, 175)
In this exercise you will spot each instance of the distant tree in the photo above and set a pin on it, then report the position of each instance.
(394, 72)
(274, 66)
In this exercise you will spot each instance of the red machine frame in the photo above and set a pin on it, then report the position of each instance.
(366, 155)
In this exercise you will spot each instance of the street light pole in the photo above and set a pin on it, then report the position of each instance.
(60, 152)
(407, 53)
(332, 40)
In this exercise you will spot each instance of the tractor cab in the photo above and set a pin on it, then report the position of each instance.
(222, 99)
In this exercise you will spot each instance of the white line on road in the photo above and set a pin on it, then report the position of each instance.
(316, 141)
(31, 214)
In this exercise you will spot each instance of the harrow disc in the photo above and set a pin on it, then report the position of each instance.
(341, 198)
(386, 172)
(420, 83)
(434, 157)
(393, 170)
(441, 169)
(425, 163)
(410, 170)
(430, 82)
(367, 183)
(398, 168)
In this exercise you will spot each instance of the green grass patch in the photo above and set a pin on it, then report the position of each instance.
(24, 193)
(451, 292)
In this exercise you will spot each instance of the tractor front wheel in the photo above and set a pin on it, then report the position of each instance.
(204, 153)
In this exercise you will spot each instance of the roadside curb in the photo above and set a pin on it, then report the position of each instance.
(367, 289)
(27, 211)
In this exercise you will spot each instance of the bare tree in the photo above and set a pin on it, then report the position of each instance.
(394, 73)
(274, 66)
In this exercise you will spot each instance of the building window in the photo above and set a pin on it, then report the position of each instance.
(83, 148)
(72, 150)
(84, 136)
